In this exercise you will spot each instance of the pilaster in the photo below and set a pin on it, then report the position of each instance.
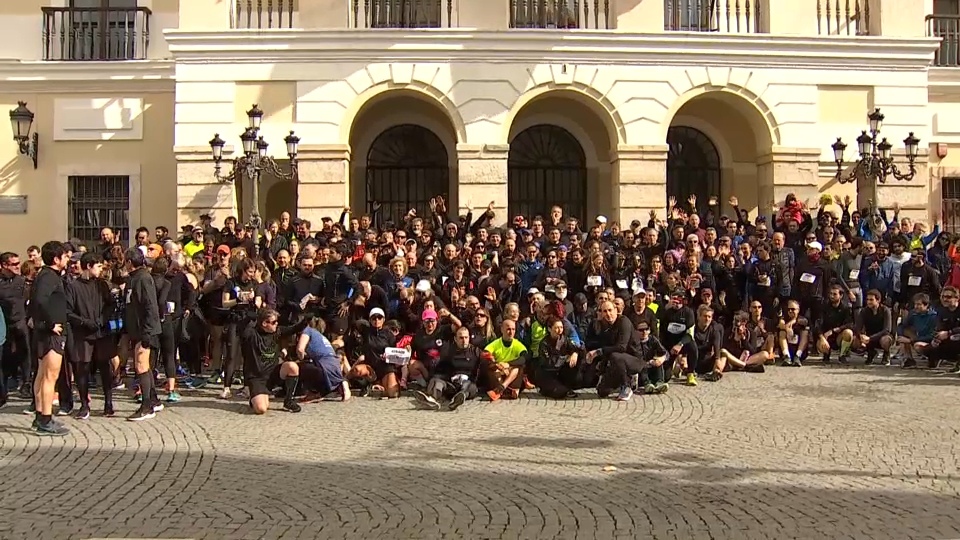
(639, 180)
(198, 190)
(787, 170)
(322, 173)
(913, 196)
(482, 172)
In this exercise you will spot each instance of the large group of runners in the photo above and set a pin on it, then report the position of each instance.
(452, 307)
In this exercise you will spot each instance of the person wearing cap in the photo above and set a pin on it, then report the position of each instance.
(372, 366)
(641, 311)
(813, 277)
(430, 342)
(455, 376)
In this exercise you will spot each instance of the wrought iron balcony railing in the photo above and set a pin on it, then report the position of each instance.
(843, 17)
(402, 13)
(947, 28)
(262, 14)
(726, 16)
(586, 14)
(95, 34)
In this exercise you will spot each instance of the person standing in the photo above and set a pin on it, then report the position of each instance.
(48, 313)
(87, 299)
(142, 322)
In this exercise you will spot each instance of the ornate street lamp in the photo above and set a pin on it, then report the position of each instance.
(253, 161)
(21, 120)
(876, 156)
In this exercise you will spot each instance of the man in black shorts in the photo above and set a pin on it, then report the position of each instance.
(48, 313)
(263, 366)
(142, 322)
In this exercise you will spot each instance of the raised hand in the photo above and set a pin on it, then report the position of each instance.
(734, 201)
(433, 204)
(692, 200)
(672, 201)
(712, 201)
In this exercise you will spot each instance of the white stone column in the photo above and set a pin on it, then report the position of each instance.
(482, 170)
(639, 180)
(198, 190)
(787, 170)
(323, 187)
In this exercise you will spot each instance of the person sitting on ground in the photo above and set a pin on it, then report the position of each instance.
(613, 346)
(793, 335)
(557, 372)
(504, 368)
(874, 327)
(917, 330)
(653, 354)
(455, 375)
(744, 348)
(315, 351)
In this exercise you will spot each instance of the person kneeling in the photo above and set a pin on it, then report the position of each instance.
(262, 365)
(454, 376)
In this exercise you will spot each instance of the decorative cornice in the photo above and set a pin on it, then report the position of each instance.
(482, 151)
(571, 46)
(99, 74)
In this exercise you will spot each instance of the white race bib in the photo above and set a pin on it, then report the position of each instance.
(549, 288)
(913, 281)
(676, 328)
(854, 274)
(396, 356)
(794, 339)
(622, 283)
(808, 278)
(594, 281)
(764, 282)
(129, 294)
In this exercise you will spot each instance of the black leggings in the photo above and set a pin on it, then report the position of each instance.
(167, 355)
(82, 360)
(557, 383)
(191, 349)
(230, 359)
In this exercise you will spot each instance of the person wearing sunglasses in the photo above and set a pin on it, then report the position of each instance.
(264, 367)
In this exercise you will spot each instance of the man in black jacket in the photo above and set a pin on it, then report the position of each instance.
(340, 283)
(142, 322)
(613, 347)
(455, 375)
(87, 299)
(13, 302)
(48, 313)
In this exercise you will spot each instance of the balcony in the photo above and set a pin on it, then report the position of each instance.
(262, 14)
(95, 34)
(402, 13)
(843, 17)
(565, 14)
(947, 28)
(724, 16)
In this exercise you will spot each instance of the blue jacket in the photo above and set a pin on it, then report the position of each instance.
(881, 279)
(924, 324)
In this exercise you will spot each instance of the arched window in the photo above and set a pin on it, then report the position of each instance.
(693, 166)
(547, 167)
(407, 165)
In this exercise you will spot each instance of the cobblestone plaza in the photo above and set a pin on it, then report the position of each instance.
(815, 453)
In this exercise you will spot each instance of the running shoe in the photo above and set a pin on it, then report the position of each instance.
(173, 397)
(108, 412)
(52, 429)
(158, 407)
(32, 409)
(140, 415)
(292, 406)
(625, 393)
(457, 400)
(26, 391)
(662, 388)
(425, 401)
(83, 413)
(691, 379)
(649, 388)
(226, 393)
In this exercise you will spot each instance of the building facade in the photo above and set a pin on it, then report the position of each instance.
(602, 106)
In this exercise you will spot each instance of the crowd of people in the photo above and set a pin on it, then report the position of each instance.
(453, 307)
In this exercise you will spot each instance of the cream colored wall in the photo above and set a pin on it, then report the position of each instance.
(148, 160)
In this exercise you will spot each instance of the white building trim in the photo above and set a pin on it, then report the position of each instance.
(580, 47)
(102, 72)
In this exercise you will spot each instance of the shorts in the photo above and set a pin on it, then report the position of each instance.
(98, 350)
(264, 385)
(874, 342)
(46, 342)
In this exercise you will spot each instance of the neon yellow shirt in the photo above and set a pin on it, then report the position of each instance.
(503, 354)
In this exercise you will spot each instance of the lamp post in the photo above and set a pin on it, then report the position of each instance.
(254, 161)
(876, 158)
(21, 120)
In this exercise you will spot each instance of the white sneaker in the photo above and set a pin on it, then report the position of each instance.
(226, 394)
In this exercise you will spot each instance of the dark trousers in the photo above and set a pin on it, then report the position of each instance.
(167, 355)
(557, 383)
(82, 358)
(652, 375)
(17, 355)
(440, 388)
(231, 358)
(693, 358)
(620, 368)
(191, 334)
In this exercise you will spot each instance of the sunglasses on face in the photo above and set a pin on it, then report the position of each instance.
(375, 317)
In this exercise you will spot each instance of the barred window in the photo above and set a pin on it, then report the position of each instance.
(95, 202)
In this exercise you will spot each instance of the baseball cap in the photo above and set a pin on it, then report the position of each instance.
(423, 285)
(377, 312)
(223, 249)
(533, 290)
(75, 258)
(429, 314)
(601, 219)
(815, 245)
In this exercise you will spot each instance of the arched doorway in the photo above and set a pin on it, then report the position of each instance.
(693, 166)
(406, 166)
(546, 167)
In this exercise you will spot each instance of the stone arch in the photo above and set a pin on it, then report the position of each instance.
(389, 89)
(744, 101)
(578, 92)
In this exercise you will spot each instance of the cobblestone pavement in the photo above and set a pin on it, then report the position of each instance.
(816, 453)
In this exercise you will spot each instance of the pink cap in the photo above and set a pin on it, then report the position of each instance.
(429, 314)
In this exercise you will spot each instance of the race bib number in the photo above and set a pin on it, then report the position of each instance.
(808, 278)
(854, 274)
(594, 281)
(794, 339)
(914, 281)
(622, 283)
(676, 328)
(764, 281)
(396, 356)
(129, 295)
(549, 288)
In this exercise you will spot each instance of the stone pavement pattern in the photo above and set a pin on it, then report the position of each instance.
(815, 453)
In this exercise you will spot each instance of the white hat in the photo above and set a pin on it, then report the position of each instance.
(423, 285)
(533, 290)
(377, 311)
(601, 219)
(400, 253)
(815, 245)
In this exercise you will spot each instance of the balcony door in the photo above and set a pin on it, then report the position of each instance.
(103, 29)
(946, 7)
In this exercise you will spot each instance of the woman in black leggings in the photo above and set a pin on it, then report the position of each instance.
(241, 298)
